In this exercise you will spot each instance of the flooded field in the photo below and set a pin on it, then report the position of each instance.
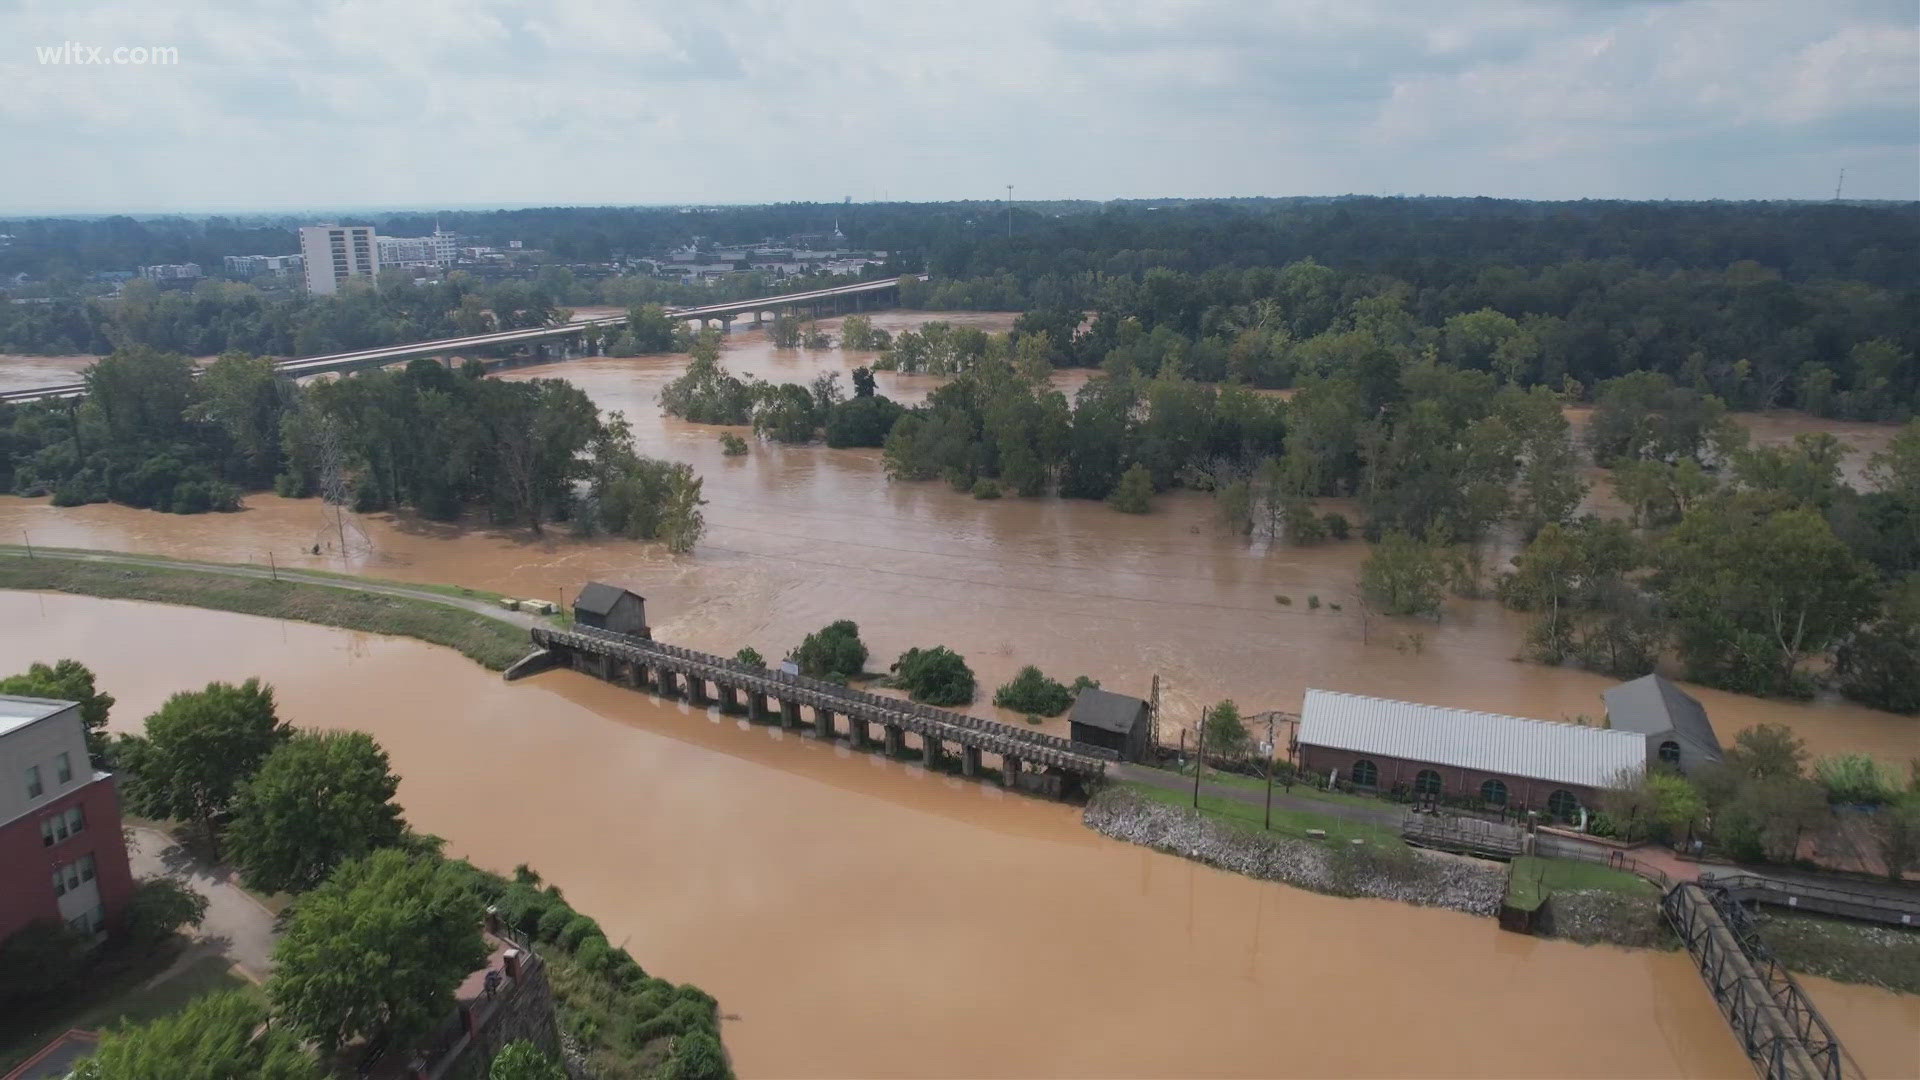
(858, 917)
(800, 536)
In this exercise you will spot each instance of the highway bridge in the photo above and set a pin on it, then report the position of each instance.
(815, 301)
(1029, 759)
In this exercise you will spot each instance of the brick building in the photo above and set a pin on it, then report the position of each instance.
(1503, 761)
(62, 855)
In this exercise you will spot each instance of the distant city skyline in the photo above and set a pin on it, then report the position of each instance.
(484, 103)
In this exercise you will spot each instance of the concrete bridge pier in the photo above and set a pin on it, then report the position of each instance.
(930, 751)
(726, 324)
(1010, 772)
(756, 705)
(789, 714)
(757, 320)
(730, 699)
(892, 737)
(856, 731)
(697, 690)
(969, 761)
(823, 722)
(666, 683)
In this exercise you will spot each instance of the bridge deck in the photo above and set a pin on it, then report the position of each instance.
(1782, 1033)
(1869, 905)
(387, 354)
(1032, 747)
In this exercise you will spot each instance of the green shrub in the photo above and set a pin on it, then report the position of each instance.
(578, 929)
(833, 652)
(1336, 526)
(697, 1057)
(554, 922)
(1032, 692)
(593, 954)
(936, 676)
(1313, 601)
(1282, 600)
(750, 655)
(1855, 778)
(732, 445)
(984, 488)
(42, 959)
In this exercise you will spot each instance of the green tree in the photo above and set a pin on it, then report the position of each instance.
(1745, 623)
(833, 652)
(1226, 735)
(198, 750)
(936, 676)
(521, 1060)
(158, 908)
(216, 1037)
(750, 655)
(1032, 693)
(1895, 833)
(1880, 663)
(1134, 493)
(1767, 752)
(1856, 779)
(68, 680)
(379, 946)
(1403, 576)
(318, 799)
(1896, 469)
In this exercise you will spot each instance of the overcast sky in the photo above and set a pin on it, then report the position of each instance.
(431, 103)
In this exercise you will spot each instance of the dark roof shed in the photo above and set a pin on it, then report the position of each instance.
(1106, 710)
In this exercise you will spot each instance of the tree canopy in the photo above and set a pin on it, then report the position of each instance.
(197, 751)
(216, 1037)
(379, 946)
(318, 799)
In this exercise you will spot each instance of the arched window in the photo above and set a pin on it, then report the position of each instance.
(1494, 792)
(1366, 773)
(1670, 752)
(1563, 806)
(1426, 782)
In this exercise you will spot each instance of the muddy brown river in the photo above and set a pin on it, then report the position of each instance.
(800, 536)
(860, 918)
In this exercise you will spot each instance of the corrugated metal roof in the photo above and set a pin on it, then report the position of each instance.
(1652, 705)
(1508, 745)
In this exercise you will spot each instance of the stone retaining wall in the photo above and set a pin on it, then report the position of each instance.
(1408, 875)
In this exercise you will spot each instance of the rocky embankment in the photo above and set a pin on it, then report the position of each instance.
(1410, 876)
(1596, 917)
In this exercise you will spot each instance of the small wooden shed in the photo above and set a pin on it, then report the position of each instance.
(610, 607)
(1113, 721)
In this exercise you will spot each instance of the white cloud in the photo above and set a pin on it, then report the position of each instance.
(445, 102)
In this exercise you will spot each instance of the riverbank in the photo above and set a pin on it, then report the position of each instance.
(418, 612)
(1356, 866)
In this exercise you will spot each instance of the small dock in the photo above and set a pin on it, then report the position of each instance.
(1463, 835)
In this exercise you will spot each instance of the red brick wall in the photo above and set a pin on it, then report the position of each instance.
(1522, 793)
(26, 862)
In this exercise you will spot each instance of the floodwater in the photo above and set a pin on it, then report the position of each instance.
(800, 536)
(857, 917)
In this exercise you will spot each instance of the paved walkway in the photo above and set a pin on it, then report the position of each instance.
(237, 926)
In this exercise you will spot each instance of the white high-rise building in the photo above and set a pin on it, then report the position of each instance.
(334, 253)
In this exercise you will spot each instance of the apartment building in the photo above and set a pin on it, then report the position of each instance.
(62, 854)
(334, 253)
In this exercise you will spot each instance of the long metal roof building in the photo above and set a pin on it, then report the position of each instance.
(1510, 745)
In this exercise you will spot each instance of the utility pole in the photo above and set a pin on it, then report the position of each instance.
(273, 567)
(1153, 714)
(1200, 759)
(29, 540)
(1840, 184)
(1268, 824)
(1010, 211)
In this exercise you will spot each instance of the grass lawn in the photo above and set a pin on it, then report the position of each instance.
(1838, 949)
(1535, 878)
(489, 642)
(115, 997)
(1286, 823)
(1298, 791)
